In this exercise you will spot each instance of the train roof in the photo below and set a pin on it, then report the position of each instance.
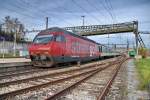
(54, 29)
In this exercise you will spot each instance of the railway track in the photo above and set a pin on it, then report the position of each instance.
(14, 68)
(61, 74)
(105, 90)
(6, 72)
(84, 84)
(74, 76)
(52, 74)
(17, 73)
(25, 71)
(5, 77)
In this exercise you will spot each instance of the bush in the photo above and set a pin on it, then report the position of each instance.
(143, 68)
(143, 52)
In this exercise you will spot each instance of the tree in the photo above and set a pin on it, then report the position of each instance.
(13, 25)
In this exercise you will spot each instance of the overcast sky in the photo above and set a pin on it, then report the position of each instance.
(64, 13)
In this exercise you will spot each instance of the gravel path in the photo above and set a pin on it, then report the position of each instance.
(133, 92)
(118, 90)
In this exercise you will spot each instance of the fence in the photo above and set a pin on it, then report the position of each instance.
(7, 49)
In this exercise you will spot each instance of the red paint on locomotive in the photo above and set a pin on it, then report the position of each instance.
(56, 45)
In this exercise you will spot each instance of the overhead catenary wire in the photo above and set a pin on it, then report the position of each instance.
(95, 18)
(12, 9)
(144, 22)
(113, 16)
(47, 13)
(16, 5)
(25, 3)
(106, 9)
(20, 13)
(94, 6)
(111, 10)
(41, 11)
(25, 14)
(70, 11)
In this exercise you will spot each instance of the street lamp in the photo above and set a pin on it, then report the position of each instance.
(83, 20)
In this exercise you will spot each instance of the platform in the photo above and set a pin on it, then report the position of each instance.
(13, 60)
(8, 62)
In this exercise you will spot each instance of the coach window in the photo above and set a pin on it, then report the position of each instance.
(63, 39)
(60, 38)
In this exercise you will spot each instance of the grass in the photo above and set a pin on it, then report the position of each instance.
(143, 68)
(9, 55)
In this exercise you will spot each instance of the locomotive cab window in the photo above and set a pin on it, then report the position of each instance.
(43, 38)
(60, 38)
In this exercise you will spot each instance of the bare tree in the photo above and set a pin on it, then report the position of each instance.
(12, 25)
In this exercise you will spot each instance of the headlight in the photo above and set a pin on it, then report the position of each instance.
(46, 52)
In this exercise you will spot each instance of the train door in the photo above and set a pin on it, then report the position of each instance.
(63, 41)
(60, 47)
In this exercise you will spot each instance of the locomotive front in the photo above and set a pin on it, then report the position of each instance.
(40, 50)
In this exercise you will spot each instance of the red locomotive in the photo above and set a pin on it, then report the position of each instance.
(56, 45)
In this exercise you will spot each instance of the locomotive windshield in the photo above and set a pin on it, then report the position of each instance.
(43, 38)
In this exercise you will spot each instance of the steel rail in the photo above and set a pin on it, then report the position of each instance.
(13, 71)
(104, 92)
(47, 75)
(21, 73)
(43, 76)
(24, 90)
(4, 70)
(61, 92)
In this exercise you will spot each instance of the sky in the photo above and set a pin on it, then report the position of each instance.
(63, 13)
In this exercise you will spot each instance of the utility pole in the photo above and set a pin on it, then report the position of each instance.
(115, 47)
(127, 45)
(3, 47)
(46, 22)
(15, 36)
(83, 20)
(136, 35)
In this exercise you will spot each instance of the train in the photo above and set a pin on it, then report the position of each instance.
(56, 45)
